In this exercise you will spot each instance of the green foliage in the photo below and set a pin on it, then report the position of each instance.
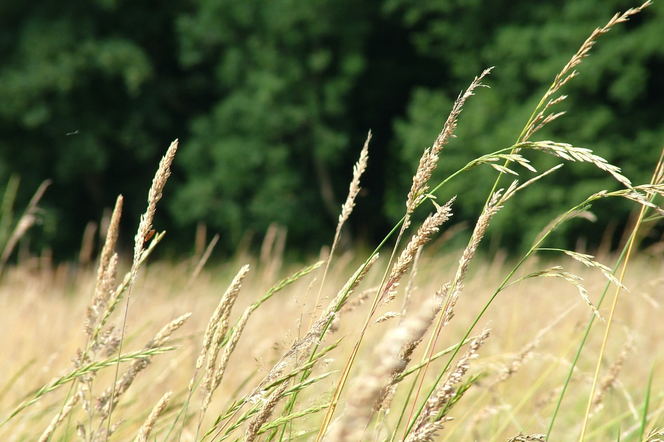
(283, 72)
(273, 99)
(613, 103)
(87, 98)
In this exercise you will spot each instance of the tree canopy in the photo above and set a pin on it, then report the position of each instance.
(272, 101)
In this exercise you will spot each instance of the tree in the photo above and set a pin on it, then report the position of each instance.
(269, 148)
(90, 96)
(614, 105)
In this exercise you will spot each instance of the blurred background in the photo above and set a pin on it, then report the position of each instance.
(272, 101)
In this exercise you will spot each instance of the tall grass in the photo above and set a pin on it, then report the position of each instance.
(477, 350)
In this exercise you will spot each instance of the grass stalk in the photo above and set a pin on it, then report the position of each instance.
(656, 179)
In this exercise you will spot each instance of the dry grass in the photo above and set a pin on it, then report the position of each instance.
(42, 324)
(477, 349)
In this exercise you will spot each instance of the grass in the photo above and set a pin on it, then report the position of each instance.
(351, 347)
(42, 321)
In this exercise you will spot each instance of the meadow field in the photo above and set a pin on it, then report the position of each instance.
(536, 328)
(412, 341)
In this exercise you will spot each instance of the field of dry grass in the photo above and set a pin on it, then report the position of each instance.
(537, 324)
(403, 344)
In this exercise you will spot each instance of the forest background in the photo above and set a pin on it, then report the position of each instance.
(272, 101)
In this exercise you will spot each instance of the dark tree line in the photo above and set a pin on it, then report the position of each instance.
(272, 100)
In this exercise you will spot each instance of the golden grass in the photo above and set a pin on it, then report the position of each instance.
(42, 325)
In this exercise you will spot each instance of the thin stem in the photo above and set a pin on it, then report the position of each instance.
(500, 288)
(578, 352)
(630, 247)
